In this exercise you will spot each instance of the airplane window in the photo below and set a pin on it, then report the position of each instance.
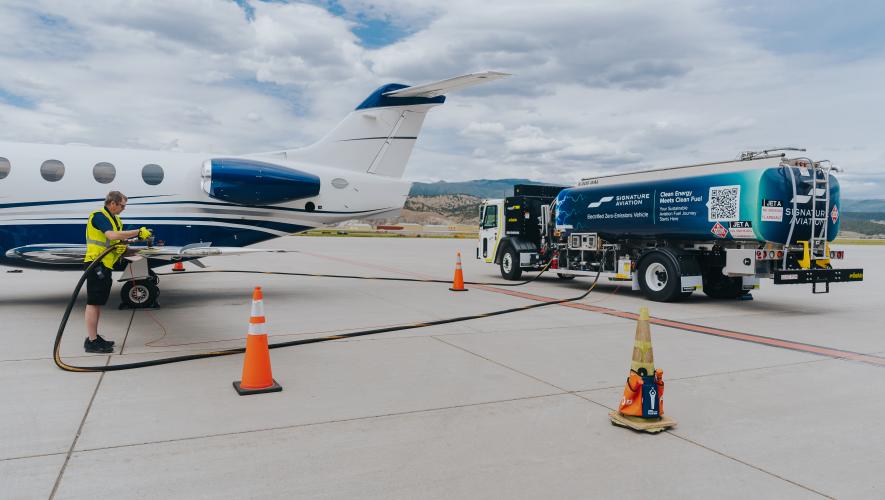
(152, 174)
(52, 170)
(5, 167)
(104, 172)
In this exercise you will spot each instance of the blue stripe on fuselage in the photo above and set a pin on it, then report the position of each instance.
(69, 202)
(190, 202)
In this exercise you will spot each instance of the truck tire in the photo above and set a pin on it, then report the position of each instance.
(659, 278)
(510, 269)
(719, 286)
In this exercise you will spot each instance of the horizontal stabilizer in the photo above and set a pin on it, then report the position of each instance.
(445, 86)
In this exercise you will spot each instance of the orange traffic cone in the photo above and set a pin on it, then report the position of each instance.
(642, 406)
(178, 267)
(458, 282)
(257, 377)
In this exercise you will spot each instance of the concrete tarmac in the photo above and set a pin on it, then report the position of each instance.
(510, 406)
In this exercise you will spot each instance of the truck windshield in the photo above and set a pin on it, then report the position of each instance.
(491, 218)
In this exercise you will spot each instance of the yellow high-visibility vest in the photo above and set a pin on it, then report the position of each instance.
(97, 242)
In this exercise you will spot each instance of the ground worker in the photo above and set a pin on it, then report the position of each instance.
(103, 229)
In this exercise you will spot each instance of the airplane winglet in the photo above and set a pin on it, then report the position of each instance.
(445, 86)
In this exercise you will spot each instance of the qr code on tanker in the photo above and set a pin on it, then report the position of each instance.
(724, 204)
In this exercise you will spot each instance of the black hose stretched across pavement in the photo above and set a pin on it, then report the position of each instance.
(350, 276)
(177, 359)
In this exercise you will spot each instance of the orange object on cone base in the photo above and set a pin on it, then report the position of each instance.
(631, 403)
(257, 375)
(178, 267)
(458, 282)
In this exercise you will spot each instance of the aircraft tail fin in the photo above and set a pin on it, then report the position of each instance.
(378, 136)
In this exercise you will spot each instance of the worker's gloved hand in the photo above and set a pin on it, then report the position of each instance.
(120, 249)
(144, 233)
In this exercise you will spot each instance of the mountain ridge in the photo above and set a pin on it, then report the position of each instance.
(480, 188)
(500, 188)
(458, 203)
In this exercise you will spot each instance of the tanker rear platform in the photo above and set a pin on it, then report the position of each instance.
(513, 406)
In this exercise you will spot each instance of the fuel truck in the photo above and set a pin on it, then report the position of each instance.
(716, 227)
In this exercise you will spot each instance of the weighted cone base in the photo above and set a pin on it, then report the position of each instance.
(275, 387)
(459, 289)
(652, 425)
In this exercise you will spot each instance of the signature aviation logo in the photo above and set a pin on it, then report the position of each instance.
(805, 198)
(604, 199)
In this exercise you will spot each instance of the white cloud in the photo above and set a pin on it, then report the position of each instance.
(598, 86)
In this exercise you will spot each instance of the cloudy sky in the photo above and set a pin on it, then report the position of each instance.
(597, 86)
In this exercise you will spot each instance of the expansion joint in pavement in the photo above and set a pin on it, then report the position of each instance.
(673, 433)
(70, 452)
(26, 457)
(743, 462)
(325, 422)
(480, 356)
(563, 390)
(64, 466)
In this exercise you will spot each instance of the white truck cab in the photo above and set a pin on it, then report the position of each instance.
(491, 228)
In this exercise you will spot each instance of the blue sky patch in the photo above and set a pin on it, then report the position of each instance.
(290, 95)
(376, 33)
(842, 31)
(373, 32)
(16, 100)
(54, 22)
(247, 9)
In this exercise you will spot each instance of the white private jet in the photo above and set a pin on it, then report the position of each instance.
(203, 205)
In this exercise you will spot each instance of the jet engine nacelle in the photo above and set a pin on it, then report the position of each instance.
(250, 182)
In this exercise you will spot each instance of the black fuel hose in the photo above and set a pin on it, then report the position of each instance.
(350, 276)
(177, 359)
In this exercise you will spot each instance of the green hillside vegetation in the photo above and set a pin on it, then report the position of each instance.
(868, 223)
(454, 209)
(863, 206)
(482, 188)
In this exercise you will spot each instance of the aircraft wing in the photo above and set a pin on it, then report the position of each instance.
(196, 250)
(67, 254)
(445, 86)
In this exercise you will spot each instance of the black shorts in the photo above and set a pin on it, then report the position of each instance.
(98, 285)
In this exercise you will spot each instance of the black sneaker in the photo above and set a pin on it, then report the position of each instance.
(103, 341)
(97, 346)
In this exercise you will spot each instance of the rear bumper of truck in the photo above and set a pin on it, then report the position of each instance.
(804, 276)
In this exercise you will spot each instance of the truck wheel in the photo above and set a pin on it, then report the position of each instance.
(659, 278)
(510, 269)
(719, 286)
